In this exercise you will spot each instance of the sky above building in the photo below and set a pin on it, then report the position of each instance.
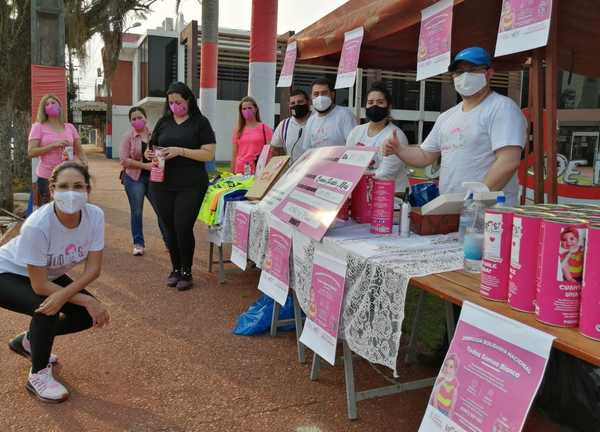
(292, 15)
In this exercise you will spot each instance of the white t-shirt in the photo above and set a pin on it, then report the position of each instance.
(329, 130)
(287, 135)
(45, 242)
(388, 167)
(468, 140)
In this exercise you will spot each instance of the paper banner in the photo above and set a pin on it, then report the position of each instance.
(275, 276)
(346, 74)
(490, 376)
(330, 177)
(289, 62)
(524, 25)
(433, 57)
(326, 296)
(241, 228)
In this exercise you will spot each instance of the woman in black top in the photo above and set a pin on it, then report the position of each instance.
(187, 141)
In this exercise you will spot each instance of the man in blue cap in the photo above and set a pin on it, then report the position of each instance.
(480, 139)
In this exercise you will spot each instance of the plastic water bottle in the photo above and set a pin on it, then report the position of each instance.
(473, 241)
(466, 216)
(405, 216)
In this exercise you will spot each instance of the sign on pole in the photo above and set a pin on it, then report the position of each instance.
(289, 62)
(346, 74)
(433, 57)
(524, 25)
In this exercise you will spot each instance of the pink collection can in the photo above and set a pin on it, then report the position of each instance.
(560, 271)
(589, 317)
(382, 211)
(524, 260)
(495, 264)
(362, 199)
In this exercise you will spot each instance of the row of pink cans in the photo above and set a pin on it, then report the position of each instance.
(534, 258)
(372, 202)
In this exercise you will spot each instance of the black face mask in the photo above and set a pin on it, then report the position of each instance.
(376, 113)
(299, 111)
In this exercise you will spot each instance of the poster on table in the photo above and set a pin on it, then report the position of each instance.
(490, 376)
(241, 228)
(346, 74)
(330, 176)
(289, 62)
(275, 276)
(435, 37)
(320, 331)
(524, 25)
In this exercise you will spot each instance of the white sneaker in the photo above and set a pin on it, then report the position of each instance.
(138, 250)
(21, 345)
(44, 387)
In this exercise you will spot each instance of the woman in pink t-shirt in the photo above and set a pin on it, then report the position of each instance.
(249, 137)
(53, 140)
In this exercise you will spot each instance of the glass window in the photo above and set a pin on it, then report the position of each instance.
(433, 96)
(232, 83)
(410, 129)
(162, 53)
(143, 55)
(578, 91)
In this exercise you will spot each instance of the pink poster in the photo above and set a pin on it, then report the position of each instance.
(331, 176)
(241, 227)
(346, 74)
(490, 375)
(289, 62)
(524, 25)
(433, 57)
(275, 276)
(327, 293)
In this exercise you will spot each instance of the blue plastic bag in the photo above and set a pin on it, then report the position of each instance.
(257, 319)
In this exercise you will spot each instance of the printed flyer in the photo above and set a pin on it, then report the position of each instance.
(524, 25)
(275, 275)
(289, 62)
(490, 375)
(326, 296)
(346, 74)
(330, 176)
(435, 38)
(241, 228)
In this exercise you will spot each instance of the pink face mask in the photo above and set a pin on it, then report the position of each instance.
(248, 113)
(139, 123)
(178, 109)
(52, 110)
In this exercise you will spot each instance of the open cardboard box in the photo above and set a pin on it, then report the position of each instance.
(267, 178)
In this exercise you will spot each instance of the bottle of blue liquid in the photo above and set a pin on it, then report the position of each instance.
(473, 241)
(466, 216)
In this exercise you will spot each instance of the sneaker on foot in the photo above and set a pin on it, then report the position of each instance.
(138, 250)
(45, 387)
(173, 278)
(20, 344)
(185, 282)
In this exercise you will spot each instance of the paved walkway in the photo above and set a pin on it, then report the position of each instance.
(169, 362)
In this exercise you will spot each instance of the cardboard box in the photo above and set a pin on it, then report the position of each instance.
(433, 224)
(267, 178)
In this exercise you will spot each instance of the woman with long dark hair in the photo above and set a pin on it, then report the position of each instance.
(186, 141)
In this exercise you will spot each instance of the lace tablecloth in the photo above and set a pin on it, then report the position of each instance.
(377, 276)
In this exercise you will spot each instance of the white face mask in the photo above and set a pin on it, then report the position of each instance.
(70, 201)
(469, 83)
(322, 103)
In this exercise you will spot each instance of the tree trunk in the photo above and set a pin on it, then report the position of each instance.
(21, 161)
(6, 193)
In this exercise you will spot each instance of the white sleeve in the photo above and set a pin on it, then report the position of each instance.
(507, 126)
(33, 247)
(276, 140)
(98, 231)
(306, 138)
(349, 122)
(432, 143)
(392, 166)
(352, 139)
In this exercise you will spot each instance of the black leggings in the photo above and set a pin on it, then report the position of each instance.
(17, 295)
(178, 211)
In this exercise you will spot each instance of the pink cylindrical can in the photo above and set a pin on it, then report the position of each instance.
(382, 211)
(361, 204)
(495, 264)
(589, 317)
(524, 260)
(560, 271)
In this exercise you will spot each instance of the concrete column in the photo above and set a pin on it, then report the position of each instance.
(209, 59)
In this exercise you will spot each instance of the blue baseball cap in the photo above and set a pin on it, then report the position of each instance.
(474, 55)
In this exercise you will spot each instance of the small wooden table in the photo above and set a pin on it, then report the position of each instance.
(459, 286)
